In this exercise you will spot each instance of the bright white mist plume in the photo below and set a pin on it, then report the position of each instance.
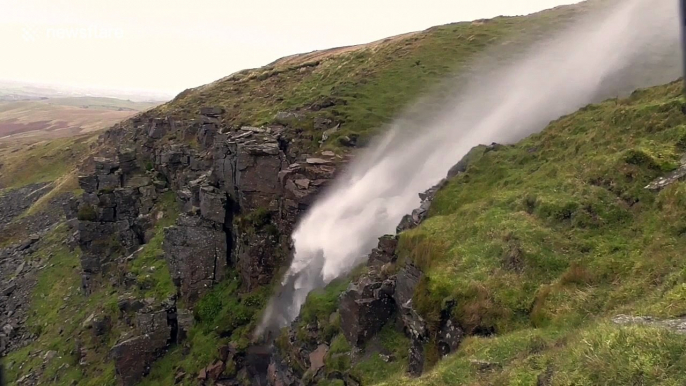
(596, 58)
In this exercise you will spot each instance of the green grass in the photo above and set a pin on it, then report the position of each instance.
(149, 266)
(374, 369)
(599, 354)
(542, 241)
(362, 89)
(222, 316)
(58, 308)
(44, 161)
(56, 314)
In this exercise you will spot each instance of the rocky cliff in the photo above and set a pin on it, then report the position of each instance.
(156, 268)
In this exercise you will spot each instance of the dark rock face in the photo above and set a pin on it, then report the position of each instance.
(196, 251)
(407, 279)
(240, 194)
(114, 216)
(385, 251)
(418, 215)
(157, 328)
(365, 308)
(416, 329)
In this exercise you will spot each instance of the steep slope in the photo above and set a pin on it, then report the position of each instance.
(185, 217)
(541, 243)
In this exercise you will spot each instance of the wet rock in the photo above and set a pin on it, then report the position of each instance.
(257, 362)
(418, 215)
(207, 133)
(301, 184)
(280, 374)
(158, 128)
(102, 242)
(416, 328)
(248, 169)
(105, 165)
(109, 182)
(127, 160)
(101, 325)
(134, 357)
(185, 321)
(8, 330)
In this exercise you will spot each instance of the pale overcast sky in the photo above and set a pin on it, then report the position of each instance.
(169, 45)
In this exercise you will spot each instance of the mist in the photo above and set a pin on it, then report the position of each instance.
(605, 54)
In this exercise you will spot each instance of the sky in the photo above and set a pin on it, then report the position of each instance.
(166, 46)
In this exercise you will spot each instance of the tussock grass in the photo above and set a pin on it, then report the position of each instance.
(542, 241)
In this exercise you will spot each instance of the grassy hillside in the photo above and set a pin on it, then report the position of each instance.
(540, 243)
(62, 117)
(361, 88)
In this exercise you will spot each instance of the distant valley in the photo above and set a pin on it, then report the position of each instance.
(35, 116)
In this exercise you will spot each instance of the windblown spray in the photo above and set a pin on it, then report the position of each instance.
(594, 58)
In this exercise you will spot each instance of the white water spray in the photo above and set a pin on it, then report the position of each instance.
(595, 58)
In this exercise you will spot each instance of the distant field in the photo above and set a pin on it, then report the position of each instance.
(63, 117)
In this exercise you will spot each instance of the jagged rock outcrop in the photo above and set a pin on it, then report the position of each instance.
(374, 299)
(196, 250)
(365, 307)
(157, 327)
(240, 193)
(113, 214)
